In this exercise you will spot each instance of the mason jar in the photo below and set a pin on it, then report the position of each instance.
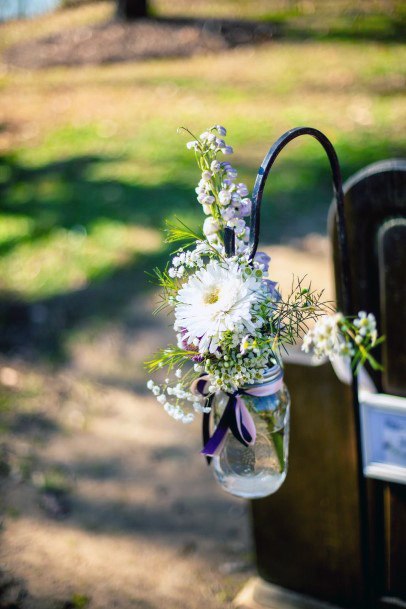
(258, 470)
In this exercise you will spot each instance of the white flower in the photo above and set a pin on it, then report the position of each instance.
(245, 207)
(346, 349)
(366, 324)
(215, 166)
(224, 197)
(307, 342)
(216, 299)
(205, 199)
(245, 344)
(150, 384)
(228, 213)
(242, 190)
(210, 226)
(206, 176)
(192, 145)
(239, 225)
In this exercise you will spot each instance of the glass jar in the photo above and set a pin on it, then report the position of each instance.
(258, 470)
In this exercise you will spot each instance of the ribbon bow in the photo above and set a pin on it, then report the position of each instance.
(236, 416)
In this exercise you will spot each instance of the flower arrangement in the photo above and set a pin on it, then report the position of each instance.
(231, 321)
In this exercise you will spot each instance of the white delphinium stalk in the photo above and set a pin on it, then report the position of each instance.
(223, 200)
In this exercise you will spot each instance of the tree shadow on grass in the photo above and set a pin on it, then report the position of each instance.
(70, 196)
(118, 41)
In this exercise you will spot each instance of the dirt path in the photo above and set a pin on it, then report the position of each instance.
(106, 501)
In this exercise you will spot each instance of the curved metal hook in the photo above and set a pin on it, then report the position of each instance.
(263, 173)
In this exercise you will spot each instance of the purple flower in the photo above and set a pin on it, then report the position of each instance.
(245, 208)
(189, 347)
(271, 289)
(263, 258)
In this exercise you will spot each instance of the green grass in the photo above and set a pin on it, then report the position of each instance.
(92, 162)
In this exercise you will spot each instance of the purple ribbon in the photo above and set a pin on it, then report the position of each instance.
(236, 416)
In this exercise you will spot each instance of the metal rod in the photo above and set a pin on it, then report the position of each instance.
(346, 291)
(229, 241)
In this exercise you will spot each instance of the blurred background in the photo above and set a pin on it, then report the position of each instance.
(105, 501)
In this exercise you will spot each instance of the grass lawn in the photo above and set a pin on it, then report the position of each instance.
(91, 162)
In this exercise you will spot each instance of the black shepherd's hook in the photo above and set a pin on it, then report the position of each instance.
(263, 173)
(347, 303)
(259, 186)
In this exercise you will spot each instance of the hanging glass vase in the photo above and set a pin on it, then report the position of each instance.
(260, 469)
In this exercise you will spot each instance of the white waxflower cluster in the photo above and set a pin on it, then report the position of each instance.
(191, 259)
(224, 200)
(173, 398)
(366, 327)
(325, 337)
(334, 335)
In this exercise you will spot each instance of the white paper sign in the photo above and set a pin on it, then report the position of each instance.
(383, 420)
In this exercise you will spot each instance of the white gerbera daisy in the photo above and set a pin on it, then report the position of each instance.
(215, 299)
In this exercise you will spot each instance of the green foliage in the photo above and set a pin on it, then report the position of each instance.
(181, 233)
(294, 313)
(169, 358)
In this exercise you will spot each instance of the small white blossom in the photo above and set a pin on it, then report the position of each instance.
(245, 207)
(242, 190)
(228, 213)
(210, 226)
(206, 199)
(224, 197)
(192, 145)
(366, 324)
(207, 136)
